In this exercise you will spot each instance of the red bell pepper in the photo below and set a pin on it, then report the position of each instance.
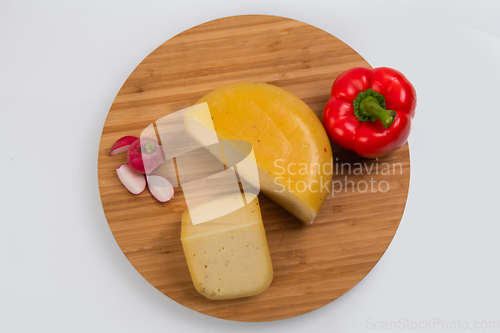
(370, 111)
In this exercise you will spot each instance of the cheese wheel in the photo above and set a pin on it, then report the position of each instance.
(291, 147)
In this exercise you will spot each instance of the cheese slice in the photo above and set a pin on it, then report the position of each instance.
(292, 149)
(228, 256)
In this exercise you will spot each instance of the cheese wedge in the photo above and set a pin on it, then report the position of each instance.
(228, 256)
(292, 149)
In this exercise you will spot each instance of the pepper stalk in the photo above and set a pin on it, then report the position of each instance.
(369, 105)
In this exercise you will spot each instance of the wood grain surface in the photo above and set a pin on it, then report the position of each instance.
(314, 264)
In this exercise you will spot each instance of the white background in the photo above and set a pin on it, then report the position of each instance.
(63, 62)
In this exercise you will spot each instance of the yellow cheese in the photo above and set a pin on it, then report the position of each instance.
(228, 256)
(292, 149)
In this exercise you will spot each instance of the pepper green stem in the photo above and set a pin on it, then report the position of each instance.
(371, 107)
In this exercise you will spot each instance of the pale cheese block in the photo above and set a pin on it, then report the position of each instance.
(292, 149)
(228, 257)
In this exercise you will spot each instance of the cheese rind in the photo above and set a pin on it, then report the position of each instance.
(228, 257)
(292, 149)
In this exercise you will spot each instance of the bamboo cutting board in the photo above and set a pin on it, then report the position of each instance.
(314, 264)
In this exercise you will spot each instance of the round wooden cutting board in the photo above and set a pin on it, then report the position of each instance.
(313, 264)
